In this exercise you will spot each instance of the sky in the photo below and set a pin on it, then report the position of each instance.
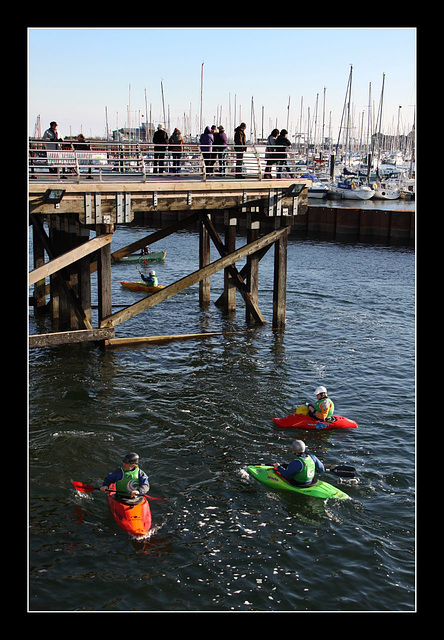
(81, 76)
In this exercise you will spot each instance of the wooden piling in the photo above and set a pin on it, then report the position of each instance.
(230, 246)
(204, 260)
(252, 265)
(280, 280)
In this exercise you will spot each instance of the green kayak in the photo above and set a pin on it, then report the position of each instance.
(319, 489)
(149, 257)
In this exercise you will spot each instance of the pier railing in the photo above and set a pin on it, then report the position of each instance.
(103, 161)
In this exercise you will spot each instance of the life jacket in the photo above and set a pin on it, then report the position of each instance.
(151, 281)
(302, 410)
(128, 482)
(306, 475)
(330, 410)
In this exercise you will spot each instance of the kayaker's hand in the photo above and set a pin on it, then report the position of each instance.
(134, 493)
(104, 489)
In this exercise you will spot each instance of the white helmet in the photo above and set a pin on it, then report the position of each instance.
(320, 390)
(298, 446)
(152, 272)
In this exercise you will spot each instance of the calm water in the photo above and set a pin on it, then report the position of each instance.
(198, 412)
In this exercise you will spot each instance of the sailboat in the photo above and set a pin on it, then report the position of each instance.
(351, 189)
(386, 191)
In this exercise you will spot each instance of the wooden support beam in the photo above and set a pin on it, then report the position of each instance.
(252, 265)
(244, 271)
(104, 282)
(229, 277)
(193, 278)
(39, 260)
(70, 337)
(204, 260)
(130, 342)
(236, 277)
(68, 258)
(280, 281)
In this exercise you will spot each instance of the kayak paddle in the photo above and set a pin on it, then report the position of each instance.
(87, 488)
(343, 471)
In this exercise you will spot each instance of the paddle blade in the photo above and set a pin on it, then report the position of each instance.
(343, 471)
(83, 488)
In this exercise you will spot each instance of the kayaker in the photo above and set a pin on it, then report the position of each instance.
(151, 279)
(323, 408)
(130, 481)
(145, 251)
(300, 471)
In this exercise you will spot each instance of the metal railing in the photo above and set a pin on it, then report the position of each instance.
(77, 162)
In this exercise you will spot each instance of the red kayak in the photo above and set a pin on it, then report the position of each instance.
(135, 519)
(299, 421)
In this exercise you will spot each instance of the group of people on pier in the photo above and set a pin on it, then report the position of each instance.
(169, 150)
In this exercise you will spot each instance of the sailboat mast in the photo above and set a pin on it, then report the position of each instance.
(146, 118)
(344, 110)
(163, 102)
(201, 96)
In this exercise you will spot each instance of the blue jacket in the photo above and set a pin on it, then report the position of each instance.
(295, 466)
(117, 475)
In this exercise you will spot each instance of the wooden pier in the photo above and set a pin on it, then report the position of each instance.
(74, 211)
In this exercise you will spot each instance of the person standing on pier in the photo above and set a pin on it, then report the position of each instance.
(175, 145)
(206, 141)
(82, 145)
(160, 139)
(270, 152)
(282, 143)
(240, 142)
(51, 135)
(221, 146)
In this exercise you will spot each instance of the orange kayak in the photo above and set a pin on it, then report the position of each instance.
(141, 286)
(134, 519)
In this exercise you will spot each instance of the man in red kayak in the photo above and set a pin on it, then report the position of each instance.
(131, 482)
(323, 408)
(300, 471)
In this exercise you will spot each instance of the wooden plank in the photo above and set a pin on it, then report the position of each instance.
(178, 186)
(191, 279)
(68, 258)
(129, 342)
(70, 337)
